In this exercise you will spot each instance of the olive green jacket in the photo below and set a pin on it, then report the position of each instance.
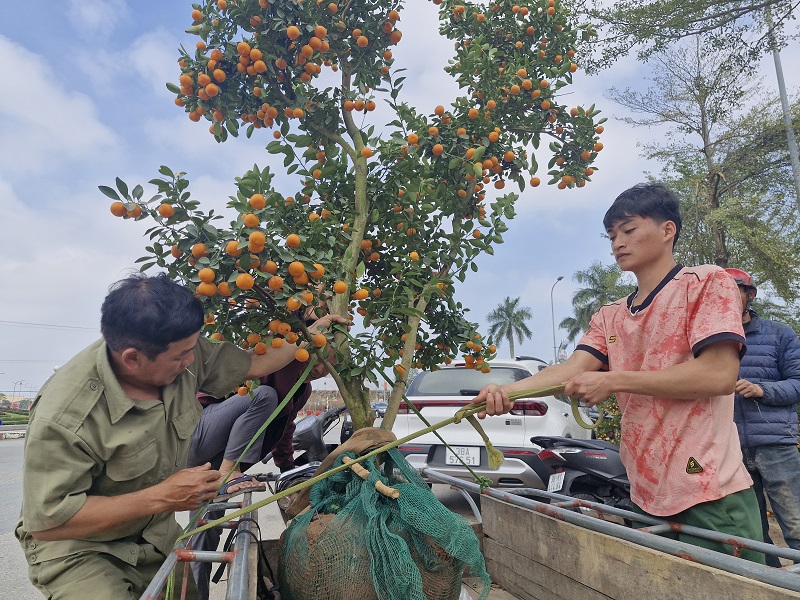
(86, 437)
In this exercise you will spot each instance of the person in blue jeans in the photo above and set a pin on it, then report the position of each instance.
(765, 411)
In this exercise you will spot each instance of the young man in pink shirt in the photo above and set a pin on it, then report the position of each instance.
(670, 352)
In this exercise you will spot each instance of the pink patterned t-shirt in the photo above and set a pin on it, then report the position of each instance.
(678, 453)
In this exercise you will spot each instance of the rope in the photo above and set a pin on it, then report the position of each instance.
(467, 411)
(559, 389)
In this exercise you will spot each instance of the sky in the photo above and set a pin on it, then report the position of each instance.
(84, 101)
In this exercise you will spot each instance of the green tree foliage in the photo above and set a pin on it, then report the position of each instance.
(743, 30)
(507, 321)
(384, 217)
(729, 166)
(601, 285)
(611, 426)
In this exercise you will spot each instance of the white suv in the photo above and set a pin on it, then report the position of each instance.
(438, 394)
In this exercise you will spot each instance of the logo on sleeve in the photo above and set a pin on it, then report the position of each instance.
(693, 467)
(612, 339)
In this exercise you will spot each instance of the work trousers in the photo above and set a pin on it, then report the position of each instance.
(99, 575)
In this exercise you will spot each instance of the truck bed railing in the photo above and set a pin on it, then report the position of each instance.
(564, 508)
(239, 571)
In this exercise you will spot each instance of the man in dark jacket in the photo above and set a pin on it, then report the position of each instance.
(767, 394)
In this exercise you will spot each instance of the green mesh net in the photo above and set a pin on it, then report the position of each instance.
(355, 543)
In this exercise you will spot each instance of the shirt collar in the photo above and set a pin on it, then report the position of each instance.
(651, 296)
(118, 402)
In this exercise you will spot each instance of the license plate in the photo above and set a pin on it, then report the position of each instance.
(556, 482)
(469, 454)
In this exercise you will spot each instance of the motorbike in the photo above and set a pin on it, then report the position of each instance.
(586, 469)
(309, 439)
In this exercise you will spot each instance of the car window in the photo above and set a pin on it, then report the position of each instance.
(450, 382)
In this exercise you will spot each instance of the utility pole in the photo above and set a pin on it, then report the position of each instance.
(791, 140)
(553, 319)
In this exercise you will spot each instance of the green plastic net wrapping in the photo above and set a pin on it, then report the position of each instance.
(355, 543)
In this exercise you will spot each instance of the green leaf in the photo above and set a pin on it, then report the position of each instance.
(110, 192)
(173, 88)
(361, 269)
(122, 187)
(479, 152)
(166, 171)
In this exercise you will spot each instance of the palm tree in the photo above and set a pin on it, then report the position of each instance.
(602, 285)
(508, 321)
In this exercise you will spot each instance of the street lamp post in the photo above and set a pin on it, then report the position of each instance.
(14, 394)
(553, 318)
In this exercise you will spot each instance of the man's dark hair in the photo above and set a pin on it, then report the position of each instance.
(651, 200)
(149, 313)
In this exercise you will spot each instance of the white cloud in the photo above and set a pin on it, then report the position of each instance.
(56, 269)
(96, 18)
(144, 67)
(154, 58)
(45, 124)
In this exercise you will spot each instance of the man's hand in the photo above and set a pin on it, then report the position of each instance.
(189, 489)
(590, 388)
(749, 389)
(325, 322)
(497, 401)
(319, 369)
(185, 490)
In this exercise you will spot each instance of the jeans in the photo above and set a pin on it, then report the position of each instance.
(224, 431)
(776, 471)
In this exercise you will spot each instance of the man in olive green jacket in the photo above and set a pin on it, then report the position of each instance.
(105, 454)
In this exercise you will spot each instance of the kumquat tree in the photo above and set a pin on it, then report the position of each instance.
(379, 224)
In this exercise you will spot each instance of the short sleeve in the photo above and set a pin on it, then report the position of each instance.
(220, 367)
(714, 312)
(594, 341)
(57, 475)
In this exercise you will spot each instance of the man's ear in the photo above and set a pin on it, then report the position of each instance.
(670, 229)
(131, 358)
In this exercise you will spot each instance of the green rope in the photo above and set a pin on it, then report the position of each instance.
(558, 389)
(171, 579)
(481, 481)
(467, 411)
(312, 361)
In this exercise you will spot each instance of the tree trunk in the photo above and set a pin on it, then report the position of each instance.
(356, 398)
(721, 254)
(401, 379)
(511, 346)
